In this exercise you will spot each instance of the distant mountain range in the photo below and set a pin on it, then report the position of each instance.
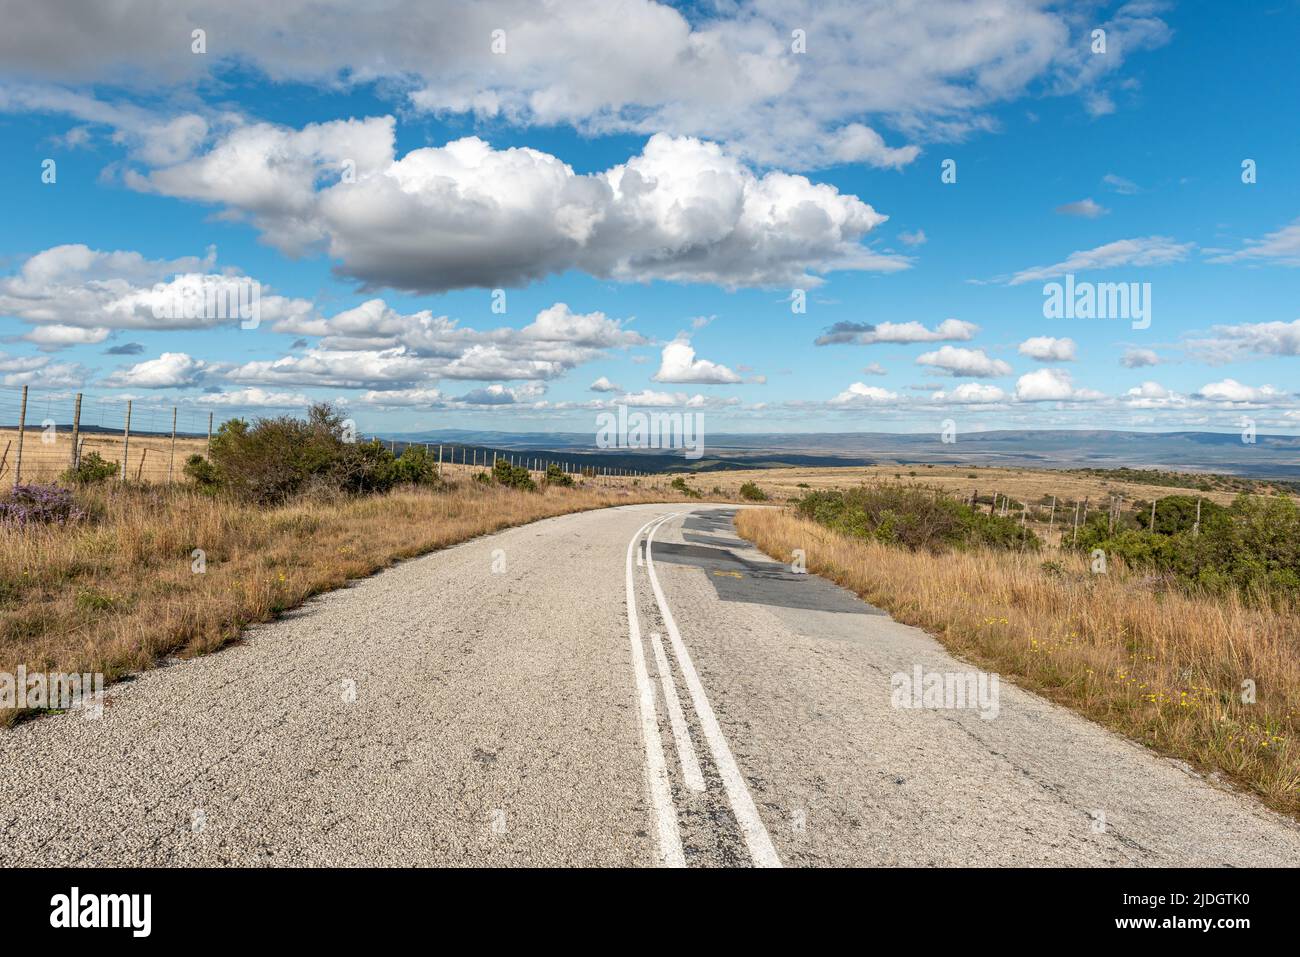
(1270, 456)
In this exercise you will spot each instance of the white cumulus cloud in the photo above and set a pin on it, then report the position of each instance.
(861, 394)
(170, 370)
(679, 364)
(1048, 349)
(466, 214)
(1232, 391)
(1052, 385)
(956, 361)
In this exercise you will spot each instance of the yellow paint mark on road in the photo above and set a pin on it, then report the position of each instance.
(728, 574)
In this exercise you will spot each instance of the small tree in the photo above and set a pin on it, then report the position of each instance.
(557, 476)
(91, 470)
(679, 483)
(273, 459)
(203, 472)
(415, 466)
(512, 476)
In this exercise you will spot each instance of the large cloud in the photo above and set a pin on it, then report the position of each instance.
(726, 71)
(466, 214)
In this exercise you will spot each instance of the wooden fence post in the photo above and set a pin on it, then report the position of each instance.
(126, 439)
(22, 430)
(76, 433)
(171, 463)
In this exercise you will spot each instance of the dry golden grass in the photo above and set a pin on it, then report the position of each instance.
(149, 457)
(1023, 485)
(1163, 667)
(117, 594)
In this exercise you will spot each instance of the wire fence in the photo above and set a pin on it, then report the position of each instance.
(44, 433)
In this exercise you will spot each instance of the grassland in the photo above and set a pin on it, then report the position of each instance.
(149, 456)
(1016, 487)
(1163, 666)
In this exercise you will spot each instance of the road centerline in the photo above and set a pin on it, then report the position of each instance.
(661, 799)
(691, 773)
(757, 840)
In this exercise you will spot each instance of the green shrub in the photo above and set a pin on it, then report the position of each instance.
(557, 476)
(512, 476)
(913, 517)
(752, 493)
(1176, 513)
(91, 470)
(1251, 546)
(679, 483)
(415, 466)
(274, 459)
(202, 472)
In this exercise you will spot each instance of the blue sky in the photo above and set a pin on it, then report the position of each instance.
(648, 187)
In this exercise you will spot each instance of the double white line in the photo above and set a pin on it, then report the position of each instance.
(757, 840)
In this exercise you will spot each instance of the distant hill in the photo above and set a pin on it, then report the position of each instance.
(1270, 456)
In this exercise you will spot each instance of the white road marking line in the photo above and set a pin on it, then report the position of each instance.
(681, 736)
(759, 842)
(661, 796)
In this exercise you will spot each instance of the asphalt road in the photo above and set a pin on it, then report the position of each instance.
(551, 696)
